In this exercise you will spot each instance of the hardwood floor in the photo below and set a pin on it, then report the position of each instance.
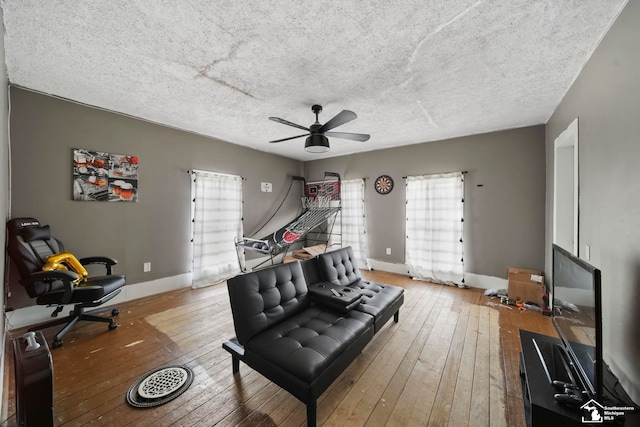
(452, 360)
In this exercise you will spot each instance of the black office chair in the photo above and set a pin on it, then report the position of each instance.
(32, 248)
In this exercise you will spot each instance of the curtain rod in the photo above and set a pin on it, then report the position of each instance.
(440, 173)
(192, 171)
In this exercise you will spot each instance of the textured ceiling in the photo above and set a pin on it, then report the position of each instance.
(413, 70)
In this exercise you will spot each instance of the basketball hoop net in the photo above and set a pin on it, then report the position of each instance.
(319, 202)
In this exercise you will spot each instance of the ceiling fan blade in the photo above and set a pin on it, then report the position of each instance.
(286, 139)
(341, 118)
(288, 123)
(346, 135)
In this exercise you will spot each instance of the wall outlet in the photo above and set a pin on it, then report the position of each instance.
(388, 251)
(146, 267)
(266, 187)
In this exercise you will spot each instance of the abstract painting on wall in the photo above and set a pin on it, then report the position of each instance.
(104, 177)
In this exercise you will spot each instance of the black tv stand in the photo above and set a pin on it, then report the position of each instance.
(542, 361)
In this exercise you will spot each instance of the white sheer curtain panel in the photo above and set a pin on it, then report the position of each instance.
(217, 220)
(434, 227)
(353, 220)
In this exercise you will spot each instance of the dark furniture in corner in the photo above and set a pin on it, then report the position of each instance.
(29, 244)
(539, 366)
(303, 340)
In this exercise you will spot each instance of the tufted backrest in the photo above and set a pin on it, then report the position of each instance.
(339, 267)
(263, 298)
(29, 244)
(311, 272)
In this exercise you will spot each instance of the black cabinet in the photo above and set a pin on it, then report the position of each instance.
(541, 408)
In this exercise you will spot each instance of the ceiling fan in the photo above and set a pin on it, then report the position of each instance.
(317, 141)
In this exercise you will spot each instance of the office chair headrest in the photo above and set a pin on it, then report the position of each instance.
(17, 226)
(30, 234)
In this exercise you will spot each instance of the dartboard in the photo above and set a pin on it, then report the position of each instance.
(384, 184)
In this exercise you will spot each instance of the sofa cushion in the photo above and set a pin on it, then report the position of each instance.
(263, 298)
(377, 297)
(305, 344)
(339, 267)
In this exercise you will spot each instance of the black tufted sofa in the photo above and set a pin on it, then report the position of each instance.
(300, 342)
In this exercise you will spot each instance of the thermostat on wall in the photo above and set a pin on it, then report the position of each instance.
(266, 187)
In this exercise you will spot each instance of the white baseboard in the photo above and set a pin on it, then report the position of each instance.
(391, 267)
(484, 282)
(153, 287)
(32, 315)
(470, 279)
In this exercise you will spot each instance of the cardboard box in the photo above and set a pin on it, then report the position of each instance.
(309, 252)
(526, 285)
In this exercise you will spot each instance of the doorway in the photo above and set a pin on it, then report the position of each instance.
(565, 189)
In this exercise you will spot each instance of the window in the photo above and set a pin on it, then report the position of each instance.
(353, 220)
(217, 221)
(434, 246)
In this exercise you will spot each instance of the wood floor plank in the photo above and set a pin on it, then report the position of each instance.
(399, 406)
(446, 389)
(452, 359)
(497, 389)
(369, 390)
(461, 403)
(511, 360)
(410, 403)
(434, 357)
(422, 327)
(479, 411)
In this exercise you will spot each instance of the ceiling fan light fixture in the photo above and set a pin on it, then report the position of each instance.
(316, 143)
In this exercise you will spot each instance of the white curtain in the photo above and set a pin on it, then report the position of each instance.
(217, 220)
(353, 221)
(434, 227)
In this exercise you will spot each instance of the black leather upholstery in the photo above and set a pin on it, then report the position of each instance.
(305, 344)
(93, 289)
(314, 380)
(339, 267)
(311, 271)
(266, 297)
(379, 299)
(29, 244)
(301, 344)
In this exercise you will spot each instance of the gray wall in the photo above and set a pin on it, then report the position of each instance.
(606, 99)
(44, 130)
(504, 203)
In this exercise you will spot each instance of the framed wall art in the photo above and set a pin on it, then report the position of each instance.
(104, 177)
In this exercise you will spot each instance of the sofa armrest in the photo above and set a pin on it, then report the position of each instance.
(237, 352)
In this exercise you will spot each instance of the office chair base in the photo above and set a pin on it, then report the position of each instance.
(74, 316)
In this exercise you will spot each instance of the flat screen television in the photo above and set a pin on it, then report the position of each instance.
(576, 307)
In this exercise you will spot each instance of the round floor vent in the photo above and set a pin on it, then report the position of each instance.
(159, 386)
